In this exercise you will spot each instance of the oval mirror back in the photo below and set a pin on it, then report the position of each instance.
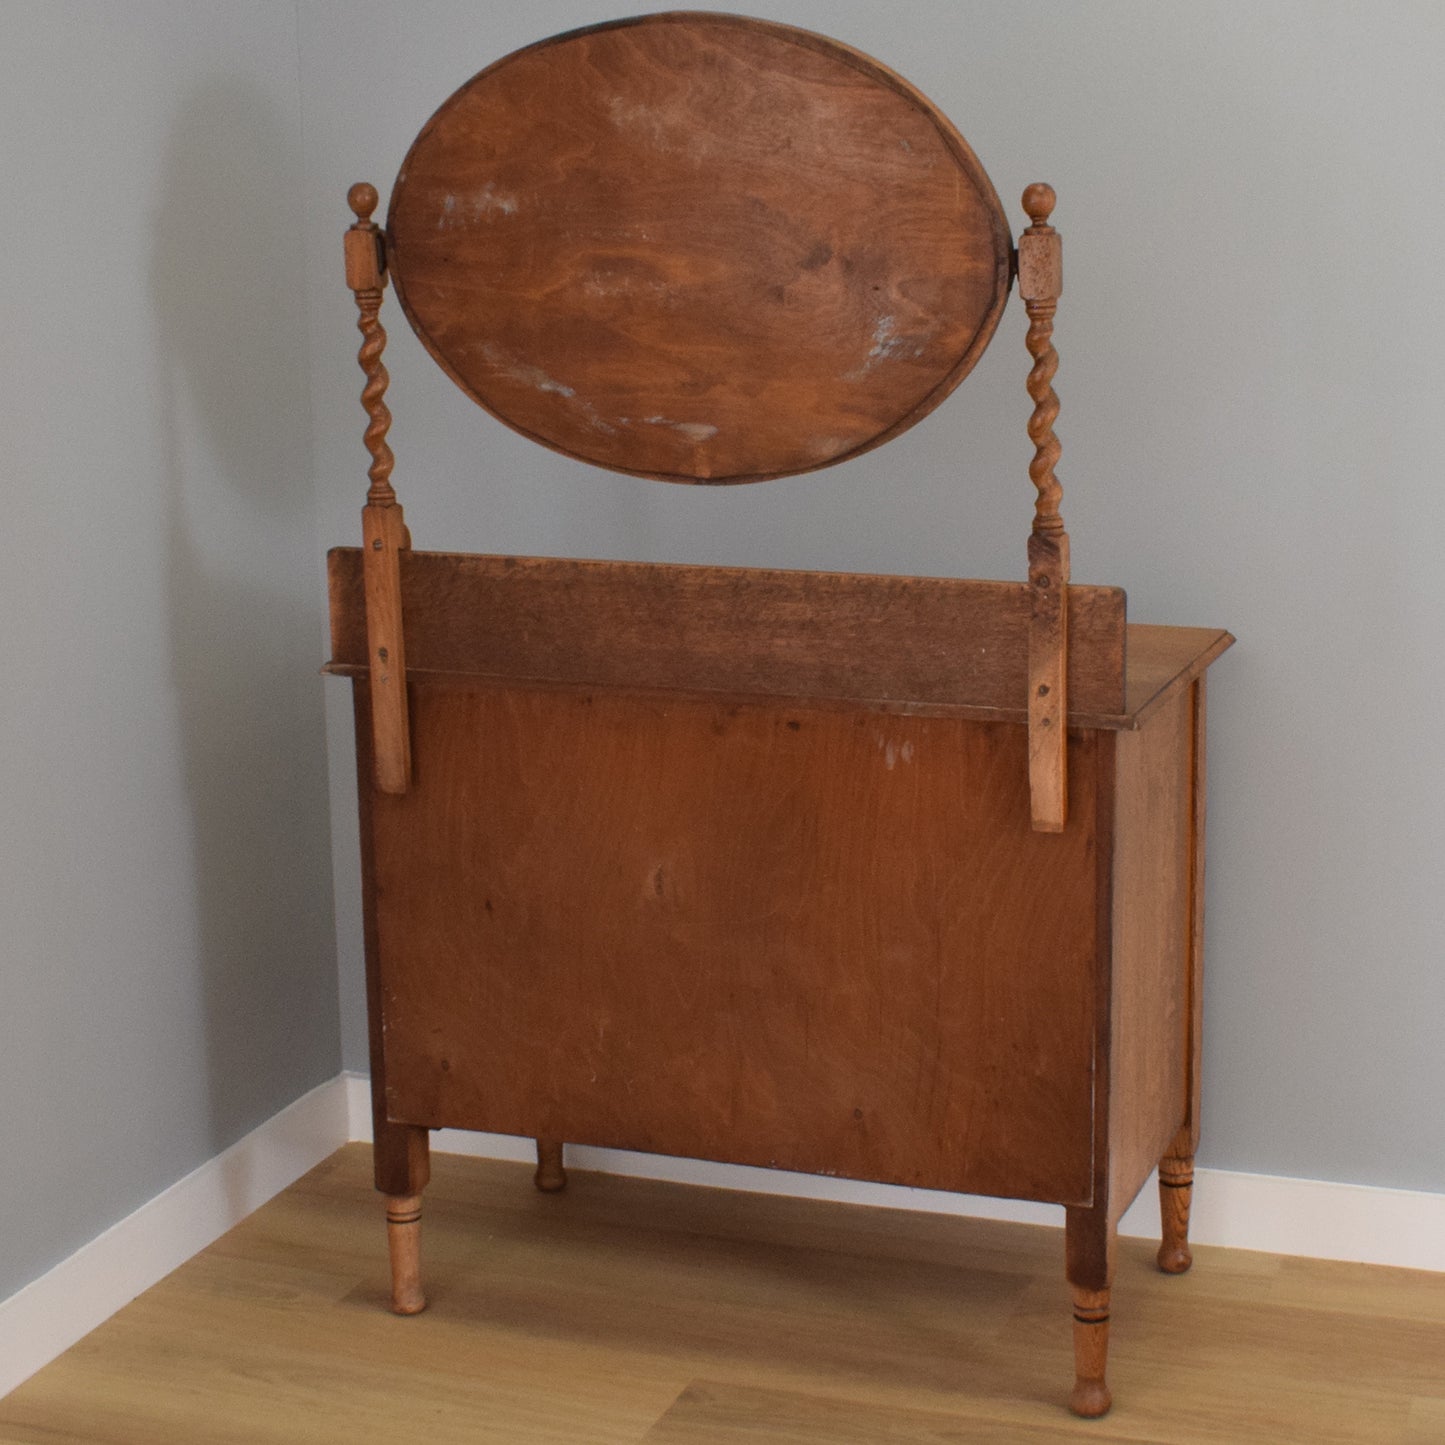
(698, 247)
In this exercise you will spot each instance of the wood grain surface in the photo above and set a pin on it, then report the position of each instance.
(850, 636)
(949, 642)
(1149, 1062)
(761, 933)
(1164, 660)
(631, 1312)
(698, 247)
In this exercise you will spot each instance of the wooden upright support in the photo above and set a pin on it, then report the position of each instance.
(1040, 266)
(383, 526)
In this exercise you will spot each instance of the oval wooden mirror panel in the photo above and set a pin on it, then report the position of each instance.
(698, 247)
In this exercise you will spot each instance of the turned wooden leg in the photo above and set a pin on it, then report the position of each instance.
(1176, 1190)
(550, 1175)
(403, 1166)
(1090, 1239)
(1090, 1397)
(1176, 1169)
(403, 1237)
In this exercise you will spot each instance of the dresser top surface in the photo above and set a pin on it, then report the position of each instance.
(1160, 660)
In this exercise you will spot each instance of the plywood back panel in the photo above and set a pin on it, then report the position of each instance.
(810, 938)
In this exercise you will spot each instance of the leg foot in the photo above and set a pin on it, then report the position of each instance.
(403, 1236)
(1176, 1191)
(1089, 1241)
(550, 1175)
(1090, 1397)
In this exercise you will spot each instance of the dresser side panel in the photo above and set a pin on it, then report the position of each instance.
(1152, 929)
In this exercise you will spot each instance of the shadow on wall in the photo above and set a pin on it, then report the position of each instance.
(225, 285)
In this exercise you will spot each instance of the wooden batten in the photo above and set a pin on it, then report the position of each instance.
(385, 536)
(384, 531)
(1048, 680)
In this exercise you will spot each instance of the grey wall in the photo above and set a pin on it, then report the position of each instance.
(1252, 361)
(167, 965)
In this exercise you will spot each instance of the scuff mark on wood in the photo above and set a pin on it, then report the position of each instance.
(888, 343)
(534, 377)
(694, 431)
(893, 752)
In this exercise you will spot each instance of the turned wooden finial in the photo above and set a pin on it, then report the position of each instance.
(1040, 269)
(1039, 202)
(362, 199)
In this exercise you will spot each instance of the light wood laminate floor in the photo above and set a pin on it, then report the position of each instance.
(627, 1312)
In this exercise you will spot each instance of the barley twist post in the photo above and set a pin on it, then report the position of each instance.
(1040, 265)
(384, 531)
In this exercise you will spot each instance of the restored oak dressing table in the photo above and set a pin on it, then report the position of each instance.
(892, 878)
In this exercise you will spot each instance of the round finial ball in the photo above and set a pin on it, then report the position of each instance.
(1039, 202)
(362, 199)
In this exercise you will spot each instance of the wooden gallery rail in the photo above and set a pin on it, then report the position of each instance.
(894, 878)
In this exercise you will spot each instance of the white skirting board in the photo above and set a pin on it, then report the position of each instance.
(1240, 1211)
(51, 1313)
